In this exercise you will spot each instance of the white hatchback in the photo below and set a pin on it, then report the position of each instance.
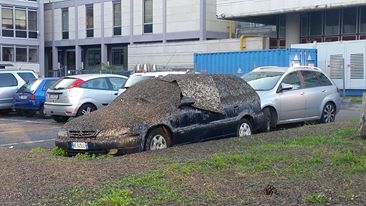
(77, 95)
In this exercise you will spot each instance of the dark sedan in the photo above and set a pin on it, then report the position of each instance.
(166, 111)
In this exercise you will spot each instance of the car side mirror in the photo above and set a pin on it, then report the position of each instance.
(186, 102)
(285, 87)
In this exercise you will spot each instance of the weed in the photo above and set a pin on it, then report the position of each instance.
(317, 198)
(86, 156)
(58, 151)
(120, 197)
(38, 150)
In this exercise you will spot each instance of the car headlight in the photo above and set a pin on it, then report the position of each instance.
(62, 133)
(114, 132)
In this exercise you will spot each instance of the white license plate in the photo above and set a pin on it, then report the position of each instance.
(79, 145)
(53, 96)
(23, 97)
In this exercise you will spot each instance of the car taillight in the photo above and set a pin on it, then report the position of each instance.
(33, 97)
(76, 83)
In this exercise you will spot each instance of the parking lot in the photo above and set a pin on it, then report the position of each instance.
(22, 132)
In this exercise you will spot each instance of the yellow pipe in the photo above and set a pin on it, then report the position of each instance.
(242, 40)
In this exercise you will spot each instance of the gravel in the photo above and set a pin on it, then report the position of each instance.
(27, 178)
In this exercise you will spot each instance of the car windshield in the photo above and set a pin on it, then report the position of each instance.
(63, 83)
(262, 81)
(27, 76)
(30, 86)
(134, 79)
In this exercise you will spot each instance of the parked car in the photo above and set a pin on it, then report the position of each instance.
(295, 94)
(73, 96)
(30, 98)
(138, 77)
(10, 81)
(164, 111)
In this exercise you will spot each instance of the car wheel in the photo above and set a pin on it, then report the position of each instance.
(41, 112)
(244, 128)
(86, 109)
(60, 119)
(328, 114)
(29, 113)
(157, 139)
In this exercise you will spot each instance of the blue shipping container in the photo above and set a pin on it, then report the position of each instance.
(239, 63)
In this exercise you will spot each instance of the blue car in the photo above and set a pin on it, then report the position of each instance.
(30, 98)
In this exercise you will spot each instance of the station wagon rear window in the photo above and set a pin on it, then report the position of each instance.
(27, 76)
(63, 83)
(262, 81)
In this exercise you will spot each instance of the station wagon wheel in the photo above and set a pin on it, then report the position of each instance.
(157, 139)
(86, 109)
(267, 120)
(244, 128)
(328, 114)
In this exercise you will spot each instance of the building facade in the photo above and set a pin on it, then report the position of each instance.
(301, 21)
(92, 33)
(21, 34)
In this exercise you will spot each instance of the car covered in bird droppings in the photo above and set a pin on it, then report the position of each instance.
(165, 111)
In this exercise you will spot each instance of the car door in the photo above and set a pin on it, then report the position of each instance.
(292, 101)
(99, 90)
(316, 88)
(8, 88)
(116, 83)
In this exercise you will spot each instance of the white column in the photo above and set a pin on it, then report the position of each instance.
(292, 29)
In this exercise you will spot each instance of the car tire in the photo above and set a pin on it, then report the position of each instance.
(86, 109)
(244, 128)
(268, 122)
(60, 119)
(158, 138)
(328, 113)
(29, 113)
(41, 112)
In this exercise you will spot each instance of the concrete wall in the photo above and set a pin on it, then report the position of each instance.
(72, 28)
(235, 8)
(58, 24)
(82, 22)
(108, 19)
(175, 55)
(126, 12)
(183, 15)
(48, 25)
(212, 23)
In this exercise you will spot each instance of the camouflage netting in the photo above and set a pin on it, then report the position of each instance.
(152, 101)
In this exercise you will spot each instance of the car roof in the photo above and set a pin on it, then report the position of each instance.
(286, 69)
(15, 70)
(156, 74)
(86, 77)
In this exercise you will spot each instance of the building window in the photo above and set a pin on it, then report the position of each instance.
(33, 55)
(148, 16)
(32, 24)
(281, 27)
(117, 56)
(20, 23)
(304, 25)
(7, 22)
(8, 54)
(65, 23)
(316, 23)
(117, 17)
(363, 20)
(332, 22)
(21, 54)
(349, 21)
(89, 20)
(93, 57)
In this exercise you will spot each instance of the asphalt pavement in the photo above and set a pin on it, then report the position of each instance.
(22, 132)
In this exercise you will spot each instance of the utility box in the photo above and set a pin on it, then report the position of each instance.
(241, 62)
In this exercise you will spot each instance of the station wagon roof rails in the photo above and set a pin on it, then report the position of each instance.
(306, 67)
(266, 67)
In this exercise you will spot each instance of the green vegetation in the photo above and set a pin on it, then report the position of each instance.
(354, 99)
(57, 151)
(340, 153)
(38, 150)
(86, 156)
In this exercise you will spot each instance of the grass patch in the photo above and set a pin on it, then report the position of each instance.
(58, 151)
(87, 156)
(299, 157)
(354, 99)
(317, 198)
(38, 151)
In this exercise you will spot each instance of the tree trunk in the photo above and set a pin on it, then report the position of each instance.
(362, 129)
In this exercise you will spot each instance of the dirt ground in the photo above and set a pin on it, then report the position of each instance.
(28, 177)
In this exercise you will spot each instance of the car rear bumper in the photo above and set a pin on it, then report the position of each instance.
(28, 105)
(60, 110)
(123, 145)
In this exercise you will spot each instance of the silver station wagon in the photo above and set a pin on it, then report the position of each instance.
(77, 95)
(294, 94)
